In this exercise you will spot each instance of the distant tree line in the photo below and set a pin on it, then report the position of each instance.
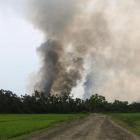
(39, 103)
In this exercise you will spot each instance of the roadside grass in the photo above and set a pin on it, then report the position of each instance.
(130, 121)
(16, 126)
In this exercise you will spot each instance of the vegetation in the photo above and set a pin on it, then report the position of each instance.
(130, 121)
(19, 124)
(39, 103)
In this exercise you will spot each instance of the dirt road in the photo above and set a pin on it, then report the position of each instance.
(95, 127)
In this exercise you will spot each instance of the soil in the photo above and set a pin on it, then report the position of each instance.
(94, 127)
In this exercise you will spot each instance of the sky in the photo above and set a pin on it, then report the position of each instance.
(19, 39)
(104, 34)
(18, 42)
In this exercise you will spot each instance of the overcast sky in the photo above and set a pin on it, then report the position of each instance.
(18, 42)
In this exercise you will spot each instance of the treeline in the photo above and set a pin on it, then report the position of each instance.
(39, 103)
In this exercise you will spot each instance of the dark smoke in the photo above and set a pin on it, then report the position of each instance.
(49, 52)
(61, 69)
(71, 36)
(54, 74)
(95, 42)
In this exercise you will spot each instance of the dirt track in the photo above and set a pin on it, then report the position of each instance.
(95, 127)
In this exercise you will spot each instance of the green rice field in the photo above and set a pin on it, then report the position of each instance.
(130, 121)
(20, 124)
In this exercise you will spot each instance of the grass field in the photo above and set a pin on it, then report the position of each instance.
(130, 121)
(19, 124)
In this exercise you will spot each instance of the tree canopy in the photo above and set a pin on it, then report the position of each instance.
(39, 103)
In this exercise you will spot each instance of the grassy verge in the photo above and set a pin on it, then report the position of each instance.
(16, 127)
(130, 121)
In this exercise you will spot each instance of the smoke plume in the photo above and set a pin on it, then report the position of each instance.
(94, 42)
